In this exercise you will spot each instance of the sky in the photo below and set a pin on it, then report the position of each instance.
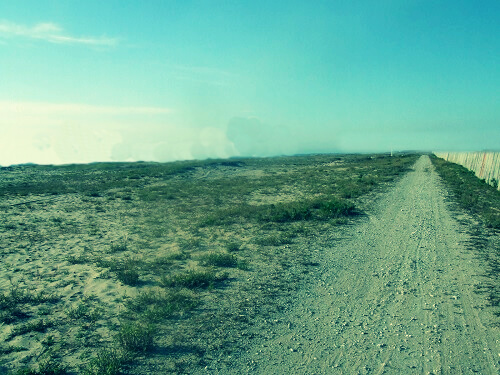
(164, 80)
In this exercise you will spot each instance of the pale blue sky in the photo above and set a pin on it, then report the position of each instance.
(165, 80)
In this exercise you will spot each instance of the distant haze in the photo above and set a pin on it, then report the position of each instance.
(172, 80)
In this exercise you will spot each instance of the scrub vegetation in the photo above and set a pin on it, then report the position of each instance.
(123, 267)
(482, 201)
(471, 193)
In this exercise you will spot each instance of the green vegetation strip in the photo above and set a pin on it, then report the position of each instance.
(483, 201)
(470, 192)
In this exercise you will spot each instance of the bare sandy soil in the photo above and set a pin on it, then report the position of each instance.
(395, 294)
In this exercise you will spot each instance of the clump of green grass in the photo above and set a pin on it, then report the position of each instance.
(16, 296)
(219, 259)
(334, 208)
(11, 314)
(7, 349)
(160, 264)
(136, 337)
(274, 240)
(118, 247)
(39, 325)
(233, 246)
(12, 303)
(78, 259)
(127, 270)
(155, 305)
(47, 366)
(106, 362)
(190, 244)
(128, 276)
(286, 212)
(192, 279)
(86, 311)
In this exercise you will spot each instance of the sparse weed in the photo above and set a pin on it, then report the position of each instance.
(285, 212)
(11, 314)
(48, 341)
(334, 208)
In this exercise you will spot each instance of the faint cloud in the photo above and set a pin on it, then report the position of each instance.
(55, 133)
(56, 144)
(52, 33)
(37, 108)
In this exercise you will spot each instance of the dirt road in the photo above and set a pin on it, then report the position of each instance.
(396, 295)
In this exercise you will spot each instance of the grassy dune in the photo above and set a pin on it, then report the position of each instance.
(115, 268)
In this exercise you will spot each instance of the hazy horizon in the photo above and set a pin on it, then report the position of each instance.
(178, 80)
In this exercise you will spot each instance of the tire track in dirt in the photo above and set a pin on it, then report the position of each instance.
(395, 296)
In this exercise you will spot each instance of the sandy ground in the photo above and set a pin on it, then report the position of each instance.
(34, 253)
(395, 294)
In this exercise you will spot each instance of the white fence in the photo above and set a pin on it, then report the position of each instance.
(486, 165)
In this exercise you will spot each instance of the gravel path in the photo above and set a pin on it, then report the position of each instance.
(396, 295)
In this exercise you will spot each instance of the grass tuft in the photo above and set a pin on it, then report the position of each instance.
(47, 366)
(107, 362)
(219, 259)
(191, 279)
(40, 325)
(155, 305)
(136, 337)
